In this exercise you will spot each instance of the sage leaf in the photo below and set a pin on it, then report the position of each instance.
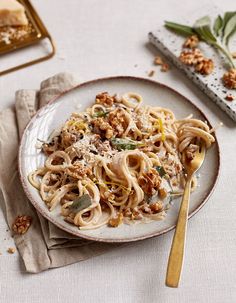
(203, 28)
(206, 34)
(226, 18)
(161, 171)
(80, 203)
(180, 29)
(122, 144)
(203, 21)
(210, 36)
(218, 25)
(229, 29)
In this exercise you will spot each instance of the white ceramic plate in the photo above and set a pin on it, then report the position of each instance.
(57, 111)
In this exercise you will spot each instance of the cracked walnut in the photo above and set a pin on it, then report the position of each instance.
(21, 224)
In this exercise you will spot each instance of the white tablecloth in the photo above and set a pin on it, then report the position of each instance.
(102, 38)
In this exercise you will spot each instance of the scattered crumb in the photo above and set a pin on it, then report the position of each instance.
(165, 67)
(78, 106)
(21, 224)
(0, 253)
(151, 73)
(229, 97)
(61, 58)
(158, 60)
(11, 250)
(234, 55)
(60, 55)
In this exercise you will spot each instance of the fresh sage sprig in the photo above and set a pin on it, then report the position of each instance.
(218, 36)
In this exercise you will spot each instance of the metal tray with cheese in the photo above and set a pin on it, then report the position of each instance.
(13, 38)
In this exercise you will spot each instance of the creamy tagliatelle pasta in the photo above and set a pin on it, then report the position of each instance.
(119, 161)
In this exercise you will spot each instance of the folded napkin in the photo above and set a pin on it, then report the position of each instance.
(44, 245)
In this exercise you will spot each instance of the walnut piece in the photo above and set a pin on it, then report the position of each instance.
(229, 78)
(162, 192)
(190, 151)
(78, 170)
(11, 250)
(156, 207)
(116, 221)
(165, 67)
(158, 60)
(204, 67)
(150, 181)
(21, 224)
(102, 128)
(229, 97)
(105, 99)
(191, 42)
(191, 57)
(151, 73)
(117, 120)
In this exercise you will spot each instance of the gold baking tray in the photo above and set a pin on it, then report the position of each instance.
(33, 33)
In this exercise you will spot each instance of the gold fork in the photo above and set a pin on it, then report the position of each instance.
(176, 256)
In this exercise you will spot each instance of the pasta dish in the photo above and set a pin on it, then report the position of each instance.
(118, 162)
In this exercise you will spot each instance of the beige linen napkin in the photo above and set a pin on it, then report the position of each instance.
(44, 246)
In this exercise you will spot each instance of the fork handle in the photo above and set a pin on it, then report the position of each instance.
(176, 256)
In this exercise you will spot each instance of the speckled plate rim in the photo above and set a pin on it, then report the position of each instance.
(94, 238)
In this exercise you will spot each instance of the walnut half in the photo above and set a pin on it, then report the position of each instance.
(105, 99)
(102, 127)
(150, 181)
(205, 67)
(191, 41)
(229, 78)
(21, 224)
(191, 57)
